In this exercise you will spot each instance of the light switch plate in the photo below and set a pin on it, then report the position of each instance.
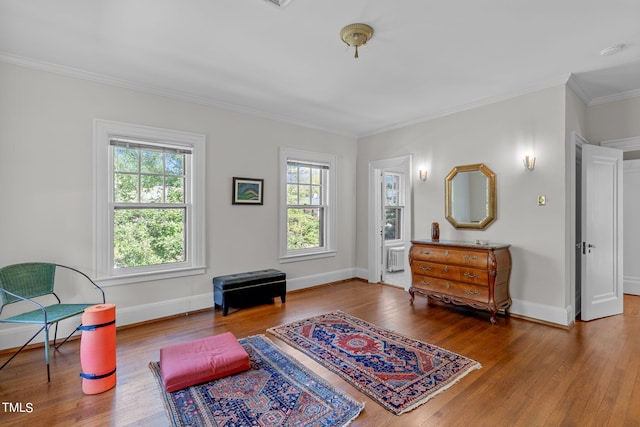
(542, 200)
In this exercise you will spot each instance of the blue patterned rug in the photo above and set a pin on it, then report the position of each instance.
(276, 391)
(398, 372)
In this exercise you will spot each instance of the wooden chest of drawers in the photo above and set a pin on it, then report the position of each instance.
(462, 273)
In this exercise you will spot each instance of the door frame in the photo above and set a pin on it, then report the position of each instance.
(576, 141)
(376, 167)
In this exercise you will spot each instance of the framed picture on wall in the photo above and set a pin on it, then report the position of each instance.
(247, 191)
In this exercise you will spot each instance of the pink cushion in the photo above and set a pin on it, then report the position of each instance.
(202, 360)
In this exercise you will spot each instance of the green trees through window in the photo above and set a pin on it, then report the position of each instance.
(305, 210)
(149, 195)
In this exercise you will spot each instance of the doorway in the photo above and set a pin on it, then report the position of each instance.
(631, 159)
(390, 221)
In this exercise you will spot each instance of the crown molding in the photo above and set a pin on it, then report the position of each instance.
(588, 101)
(159, 91)
(574, 85)
(624, 144)
(569, 80)
(534, 87)
(615, 97)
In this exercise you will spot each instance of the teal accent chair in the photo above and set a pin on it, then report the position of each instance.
(28, 281)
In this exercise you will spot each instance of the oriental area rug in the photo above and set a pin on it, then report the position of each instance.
(276, 391)
(398, 372)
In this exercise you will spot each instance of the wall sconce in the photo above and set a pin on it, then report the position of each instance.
(423, 174)
(529, 162)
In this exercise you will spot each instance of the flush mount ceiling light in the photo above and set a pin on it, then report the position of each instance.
(279, 3)
(356, 35)
(612, 50)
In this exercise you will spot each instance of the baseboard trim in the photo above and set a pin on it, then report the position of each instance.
(542, 313)
(320, 279)
(13, 337)
(631, 285)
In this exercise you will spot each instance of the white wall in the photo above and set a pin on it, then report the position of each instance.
(497, 135)
(46, 187)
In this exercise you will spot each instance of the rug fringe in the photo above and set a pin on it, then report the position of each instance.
(431, 396)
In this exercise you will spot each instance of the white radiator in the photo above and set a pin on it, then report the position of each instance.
(395, 259)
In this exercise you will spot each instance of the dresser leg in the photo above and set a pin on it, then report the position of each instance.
(411, 293)
(493, 317)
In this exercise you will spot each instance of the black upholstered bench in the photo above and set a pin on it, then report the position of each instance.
(254, 287)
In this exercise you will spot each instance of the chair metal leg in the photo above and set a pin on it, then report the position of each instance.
(46, 351)
(21, 348)
(66, 339)
(55, 335)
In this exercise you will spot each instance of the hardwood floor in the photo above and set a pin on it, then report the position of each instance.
(532, 374)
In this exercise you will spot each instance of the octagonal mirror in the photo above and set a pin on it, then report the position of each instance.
(470, 196)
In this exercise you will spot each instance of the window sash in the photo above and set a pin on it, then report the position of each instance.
(173, 244)
(300, 243)
(153, 146)
(139, 178)
(393, 224)
(141, 204)
(302, 189)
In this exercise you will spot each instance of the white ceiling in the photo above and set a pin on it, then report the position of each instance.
(426, 58)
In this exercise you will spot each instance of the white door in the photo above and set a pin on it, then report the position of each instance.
(602, 244)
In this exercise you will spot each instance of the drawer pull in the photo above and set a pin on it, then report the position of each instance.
(447, 285)
(422, 267)
(446, 268)
(472, 276)
(425, 252)
(446, 253)
(470, 292)
(469, 257)
(422, 282)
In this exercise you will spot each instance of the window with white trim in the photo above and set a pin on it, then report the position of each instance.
(393, 206)
(307, 207)
(149, 203)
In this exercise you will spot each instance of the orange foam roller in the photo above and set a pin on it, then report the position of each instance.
(98, 348)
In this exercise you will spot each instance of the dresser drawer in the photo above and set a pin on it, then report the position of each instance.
(450, 256)
(453, 272)
(452, 288)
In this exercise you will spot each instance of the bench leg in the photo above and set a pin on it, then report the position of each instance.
(282, 298)
(225, 309)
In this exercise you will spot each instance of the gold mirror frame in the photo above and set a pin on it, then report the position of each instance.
(490, 198)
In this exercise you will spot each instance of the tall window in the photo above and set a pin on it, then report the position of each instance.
(393, 206)
(308, 207)
(150, 202)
